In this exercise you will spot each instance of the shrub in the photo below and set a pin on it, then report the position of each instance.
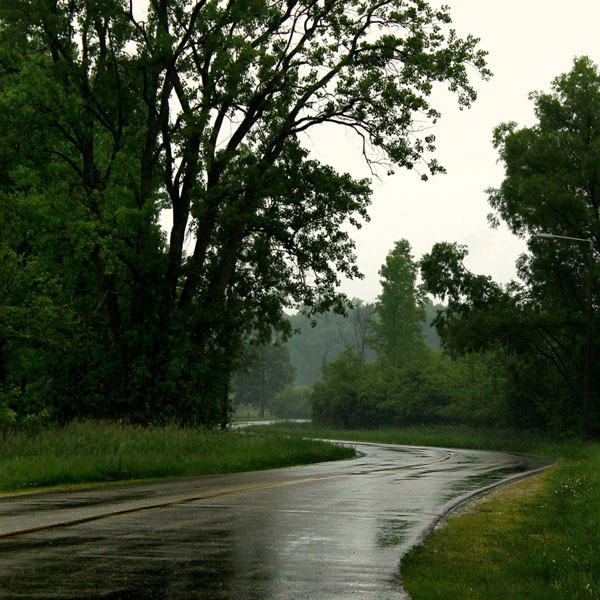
(293, 402)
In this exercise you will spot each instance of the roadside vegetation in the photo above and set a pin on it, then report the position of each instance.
(249, 413)
(537, 539)
(449, 436)
(519, 355)
(86, 452)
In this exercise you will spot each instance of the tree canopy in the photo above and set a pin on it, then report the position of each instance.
(550, 186)
(192, 111)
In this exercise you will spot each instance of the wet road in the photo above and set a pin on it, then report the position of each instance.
(327, 531)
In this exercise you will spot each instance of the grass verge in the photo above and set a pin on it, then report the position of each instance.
(98, 452)
(537, 539)
(450, 437)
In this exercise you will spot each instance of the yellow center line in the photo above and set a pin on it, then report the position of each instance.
(205, 496)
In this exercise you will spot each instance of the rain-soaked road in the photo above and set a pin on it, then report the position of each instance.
(333, 530)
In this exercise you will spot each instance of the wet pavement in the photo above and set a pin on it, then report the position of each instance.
(328, 531)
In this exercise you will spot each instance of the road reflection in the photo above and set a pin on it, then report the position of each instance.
(335, 530)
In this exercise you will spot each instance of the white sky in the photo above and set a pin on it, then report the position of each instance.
(529, 43)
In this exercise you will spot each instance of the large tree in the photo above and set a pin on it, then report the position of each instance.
(116, 112)
(552, 185)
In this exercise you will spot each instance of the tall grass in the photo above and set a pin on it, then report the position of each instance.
(450, 436)
(91, 451)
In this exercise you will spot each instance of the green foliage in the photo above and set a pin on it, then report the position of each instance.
(196, 112)
(470, 389)
(476, 389)
(264, 373)
(335, 399)
(398, 336)
(292, 402)
(410, 383)
(555, 159)
(7, 417)
(551, 186)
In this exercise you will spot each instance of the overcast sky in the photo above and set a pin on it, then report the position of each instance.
(529, 43)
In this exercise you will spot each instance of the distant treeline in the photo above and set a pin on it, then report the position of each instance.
(320, 340)
(278, 377)
(379, 364)
(526, 354)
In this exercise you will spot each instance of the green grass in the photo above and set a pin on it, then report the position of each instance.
(448, 436)
(538, 539)
(98, 452)
(250, 413)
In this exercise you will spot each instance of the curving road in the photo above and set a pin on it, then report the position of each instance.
(333, 530)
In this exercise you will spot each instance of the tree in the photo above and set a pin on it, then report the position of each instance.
(400, 308)
(197, 110)
(356, 331)
(336, 400)
(266, 372)
(551, 186)
(482, 316)
(292, 402)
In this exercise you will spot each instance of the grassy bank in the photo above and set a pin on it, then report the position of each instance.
(98, 452)
(537, 539)
(451, 437)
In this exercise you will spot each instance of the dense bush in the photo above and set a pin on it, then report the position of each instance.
(293, 402)
(436, 389)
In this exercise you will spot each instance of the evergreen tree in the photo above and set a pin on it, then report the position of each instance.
(400, 308)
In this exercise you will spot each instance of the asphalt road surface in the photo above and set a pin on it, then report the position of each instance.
(330, 531)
